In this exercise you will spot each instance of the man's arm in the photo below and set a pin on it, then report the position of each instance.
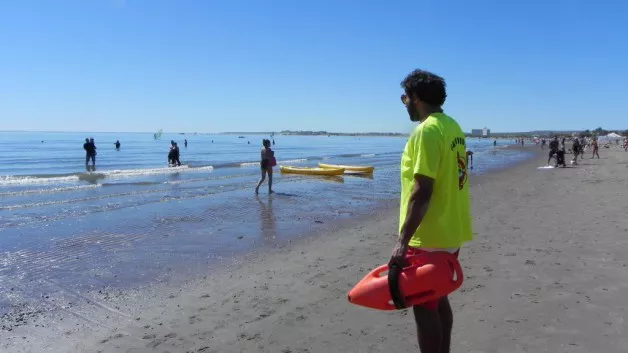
(417, 208)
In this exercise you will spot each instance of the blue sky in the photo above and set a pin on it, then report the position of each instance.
(210, 66)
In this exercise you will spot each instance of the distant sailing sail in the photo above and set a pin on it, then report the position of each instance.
(157, 135)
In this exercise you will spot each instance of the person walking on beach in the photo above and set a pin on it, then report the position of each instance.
(267, 163)
(543, 144)
(434, 208)
(595, 148)
(575, 148)
(553, 148)
(583, 144)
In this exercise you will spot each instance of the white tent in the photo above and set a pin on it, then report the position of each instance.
(612, 137)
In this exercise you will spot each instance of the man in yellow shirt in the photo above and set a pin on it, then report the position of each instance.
(434, 208)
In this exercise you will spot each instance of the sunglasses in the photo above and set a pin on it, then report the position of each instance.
(405, 99)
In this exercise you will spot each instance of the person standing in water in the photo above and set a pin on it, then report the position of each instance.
(87, 149)
(176, 155)
(494, 143)
(434, 210)
(469, 156)
(173, 154)
(117, 144)
(90, 151)
(185, 143)
(91, 142)
(266, 165)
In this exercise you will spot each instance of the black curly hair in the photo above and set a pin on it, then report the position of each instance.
(425, 86)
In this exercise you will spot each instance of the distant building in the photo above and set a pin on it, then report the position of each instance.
(481, 132)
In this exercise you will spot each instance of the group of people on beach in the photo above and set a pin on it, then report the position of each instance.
(558, 149)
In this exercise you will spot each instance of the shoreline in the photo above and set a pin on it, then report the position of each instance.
(535, 280)
(548, 253)
(109, 304)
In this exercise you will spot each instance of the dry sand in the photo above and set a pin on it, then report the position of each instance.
(548, 272)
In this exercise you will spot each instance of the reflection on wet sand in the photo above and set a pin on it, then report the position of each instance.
(267, 218)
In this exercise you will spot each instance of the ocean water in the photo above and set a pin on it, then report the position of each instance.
(134, 220)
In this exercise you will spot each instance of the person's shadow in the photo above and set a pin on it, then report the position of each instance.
(267, 219)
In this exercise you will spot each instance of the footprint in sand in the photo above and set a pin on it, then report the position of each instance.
(194, 319)
(249, 337)
(155, 343)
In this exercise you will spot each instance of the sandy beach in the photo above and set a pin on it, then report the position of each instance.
(547, 272)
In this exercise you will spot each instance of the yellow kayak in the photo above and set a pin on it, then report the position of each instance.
(312, 171)
(349, 168)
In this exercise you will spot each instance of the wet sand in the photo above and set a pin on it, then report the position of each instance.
(548, 272)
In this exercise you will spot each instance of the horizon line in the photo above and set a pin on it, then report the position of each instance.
(293, 131)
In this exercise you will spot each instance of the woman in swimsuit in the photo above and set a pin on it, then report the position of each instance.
(267, 163)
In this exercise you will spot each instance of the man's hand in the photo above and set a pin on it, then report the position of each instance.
(417, 207)
(398, 256)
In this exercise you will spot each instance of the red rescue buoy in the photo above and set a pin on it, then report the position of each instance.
(429, 276)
